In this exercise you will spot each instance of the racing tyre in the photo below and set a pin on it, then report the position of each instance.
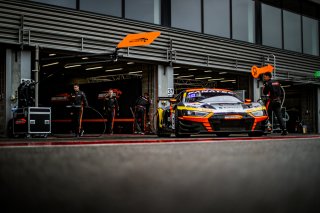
(177, 129)
(222, 134)
(160, 132)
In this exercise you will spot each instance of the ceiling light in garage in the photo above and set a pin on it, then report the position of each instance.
(203, 78)
(136, 72)
(192, 69)
(176, 74)
(130, 62)
(185, 76)
(208, 71)
(94, 68)
(85, 58)
(117, 69)
(227, 81)
(52, 54)
(176, 67)
(222, 73)
(216, 79)
(72, 66)
(51, 64)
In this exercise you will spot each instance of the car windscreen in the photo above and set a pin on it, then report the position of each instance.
(211, 96)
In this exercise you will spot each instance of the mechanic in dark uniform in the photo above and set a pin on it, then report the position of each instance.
(78, 100)
(110, 108)
(141, 113)
(273, 90)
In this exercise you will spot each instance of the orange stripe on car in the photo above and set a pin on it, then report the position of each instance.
(257, 120)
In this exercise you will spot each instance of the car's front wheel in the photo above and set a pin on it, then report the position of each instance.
(255, 134)
(177, 131)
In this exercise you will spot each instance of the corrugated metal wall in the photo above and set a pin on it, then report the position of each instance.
(26, 23)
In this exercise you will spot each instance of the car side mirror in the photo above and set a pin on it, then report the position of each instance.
(247, 101)
(173, 100)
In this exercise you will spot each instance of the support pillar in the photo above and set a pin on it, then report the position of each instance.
(17, 67)
(165, 81)
(256, 91)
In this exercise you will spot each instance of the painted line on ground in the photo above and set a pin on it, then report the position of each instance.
(145, 141)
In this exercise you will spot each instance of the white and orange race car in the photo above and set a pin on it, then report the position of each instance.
(215, 111)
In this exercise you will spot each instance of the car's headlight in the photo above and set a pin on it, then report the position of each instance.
(258, 113)
(196, 113)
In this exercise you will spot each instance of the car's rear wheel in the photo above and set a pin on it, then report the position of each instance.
(160, 130)
(222, 134)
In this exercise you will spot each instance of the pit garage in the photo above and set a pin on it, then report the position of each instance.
(96, 73)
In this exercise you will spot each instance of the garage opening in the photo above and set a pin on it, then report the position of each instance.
(97, 73)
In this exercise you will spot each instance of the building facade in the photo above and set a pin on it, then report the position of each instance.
(203, 43)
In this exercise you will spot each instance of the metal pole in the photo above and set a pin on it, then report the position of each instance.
(36, 76)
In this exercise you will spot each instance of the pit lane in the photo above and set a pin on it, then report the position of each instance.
(278, 174)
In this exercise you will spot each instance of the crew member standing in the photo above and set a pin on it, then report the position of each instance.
(78, 101)
(274, 91)
(142, 106)
(110, 108)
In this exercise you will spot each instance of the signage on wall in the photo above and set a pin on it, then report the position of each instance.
(170, 92)
(317, 74)
(257, 71)
(139, 39)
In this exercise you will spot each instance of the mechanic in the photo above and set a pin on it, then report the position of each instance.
(78, 100)
(273, 104)
(141, 113)
(110, 108)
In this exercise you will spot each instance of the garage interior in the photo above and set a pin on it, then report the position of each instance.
(96, 73)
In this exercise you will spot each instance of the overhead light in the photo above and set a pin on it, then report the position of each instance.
(85, 58)
(176, 67)
(102, 76)
(192, 69)
(52, 54)
(185, 76)
(286, 86)
(222, 73)
(176, 74)
(208, 71)
(51, 64)
(227, 81)
(94, 68)
(72, 66)
(136, 72)
(117, 69)
(203, 78)
(216, 79)
(130, 62)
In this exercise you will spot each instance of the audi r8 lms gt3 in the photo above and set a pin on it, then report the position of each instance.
(216, 111)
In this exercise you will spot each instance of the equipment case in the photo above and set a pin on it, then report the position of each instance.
(32, 121)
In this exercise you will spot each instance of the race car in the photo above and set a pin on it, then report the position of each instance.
(215, 111)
